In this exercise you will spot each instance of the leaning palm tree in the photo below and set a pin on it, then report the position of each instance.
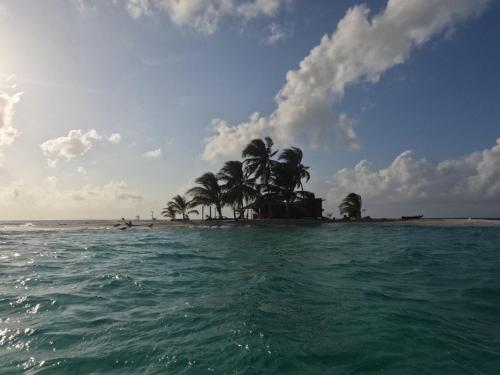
(258, 162)
(182, 206)
(293, 158)
(169, 212)
(208, 193)
(237, 188)
(351, 206)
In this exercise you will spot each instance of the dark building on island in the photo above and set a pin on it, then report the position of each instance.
(302, 209)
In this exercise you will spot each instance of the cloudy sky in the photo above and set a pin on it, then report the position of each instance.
(109, 107)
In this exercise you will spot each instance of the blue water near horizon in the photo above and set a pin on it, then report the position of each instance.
(335, 299)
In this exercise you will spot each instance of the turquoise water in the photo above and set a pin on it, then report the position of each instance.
(325, 300)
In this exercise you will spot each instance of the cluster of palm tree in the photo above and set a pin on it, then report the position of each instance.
(257, 180)
(179, 205)
(351, 206)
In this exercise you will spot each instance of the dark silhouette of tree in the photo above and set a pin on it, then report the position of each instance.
(238, 189)
(182, 206)
(278, 179)
(351, 206)
(169, 212)
(208, 193)
(258, 155)
(282, 186)
(260, 182)
(292, 157)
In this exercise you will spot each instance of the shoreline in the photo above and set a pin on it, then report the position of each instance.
(158, 224)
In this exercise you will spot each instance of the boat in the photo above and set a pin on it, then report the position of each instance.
(416, 217)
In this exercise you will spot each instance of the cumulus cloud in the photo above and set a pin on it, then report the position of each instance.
(48, 200)
(361, 49)
(76, 143)
(204, 15)
(153, 154)
(7, 110)
(411, 179)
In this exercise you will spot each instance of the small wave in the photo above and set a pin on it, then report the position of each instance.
(267, 300)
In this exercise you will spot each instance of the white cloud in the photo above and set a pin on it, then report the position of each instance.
(252, 9)
(276, 33)
(153, 154)
(137, 8)
(410, 179)
(115, 138)
(86, 5)
(76, 143)
(120, 191)
(361, 49)
(7, 103)
(204, 15)
(48, 200)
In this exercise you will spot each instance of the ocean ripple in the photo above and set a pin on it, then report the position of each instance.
(288, 300)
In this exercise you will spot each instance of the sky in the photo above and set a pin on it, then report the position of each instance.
(109, 108)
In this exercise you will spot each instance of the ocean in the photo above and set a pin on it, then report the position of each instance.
(334, 299)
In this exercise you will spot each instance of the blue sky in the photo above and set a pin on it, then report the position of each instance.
(148, 78)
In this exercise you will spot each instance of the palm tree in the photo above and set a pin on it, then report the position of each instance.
(182, 206)
(283, 182)
(258, 162)
(293, 157)
(237, 188)
(209, 192)
(351, 206)
(169, 212)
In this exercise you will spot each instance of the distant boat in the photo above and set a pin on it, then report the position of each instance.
(416, 217)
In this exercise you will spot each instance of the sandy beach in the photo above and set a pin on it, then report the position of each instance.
(159, 224)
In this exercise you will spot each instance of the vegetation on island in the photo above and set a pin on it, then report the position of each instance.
(351, 206)
(264, 177)
(179, 205)
(208, 192)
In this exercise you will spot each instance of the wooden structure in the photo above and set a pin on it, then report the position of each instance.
(306, 208)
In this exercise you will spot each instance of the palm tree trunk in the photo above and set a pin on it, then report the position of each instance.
(241, 210)
(219, 211)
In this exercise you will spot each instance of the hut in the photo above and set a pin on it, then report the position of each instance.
(275, 209)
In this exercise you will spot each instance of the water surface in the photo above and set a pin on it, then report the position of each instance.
(336, 299)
